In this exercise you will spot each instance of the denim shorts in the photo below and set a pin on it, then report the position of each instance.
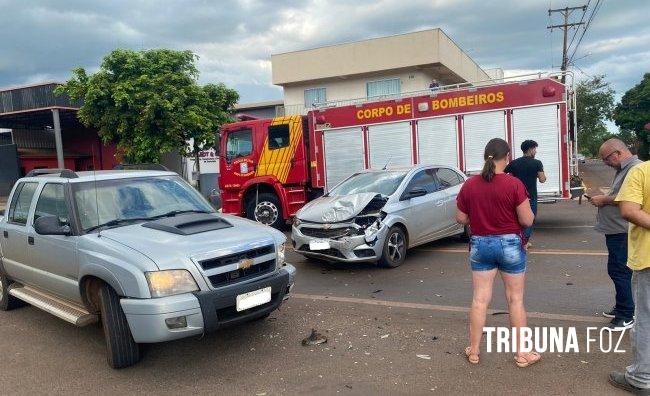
(504, 252)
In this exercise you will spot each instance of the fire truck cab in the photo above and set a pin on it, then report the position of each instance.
(271, 167)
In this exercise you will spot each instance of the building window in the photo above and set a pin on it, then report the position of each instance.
(383, 87)
(314, 96)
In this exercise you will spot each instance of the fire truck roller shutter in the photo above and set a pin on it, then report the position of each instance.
(344, 154)
(478, 130)
(390, 142)
(541, 124)
(438, 141)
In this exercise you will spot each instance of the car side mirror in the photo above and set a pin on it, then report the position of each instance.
(49, 225)
(413, 193)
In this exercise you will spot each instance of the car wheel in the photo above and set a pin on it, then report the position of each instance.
(266, 210)
(394, 251)
(7, 301)
(122, 351)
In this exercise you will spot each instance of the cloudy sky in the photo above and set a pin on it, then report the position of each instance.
(44, 40)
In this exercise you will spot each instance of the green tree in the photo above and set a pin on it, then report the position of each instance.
(595, 104)
(150, 103)
(634, 112)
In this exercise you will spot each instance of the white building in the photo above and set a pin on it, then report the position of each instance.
(385, 66)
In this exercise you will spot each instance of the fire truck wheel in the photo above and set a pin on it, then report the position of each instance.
(267, 210)
(394, 251)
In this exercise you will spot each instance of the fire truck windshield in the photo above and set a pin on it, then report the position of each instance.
(381, 182)
(239, 144)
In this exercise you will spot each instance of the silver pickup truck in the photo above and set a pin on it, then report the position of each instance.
(142, 251)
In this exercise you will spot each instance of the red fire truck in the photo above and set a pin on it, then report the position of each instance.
(271, 167)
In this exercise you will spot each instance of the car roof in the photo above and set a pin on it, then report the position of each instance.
(404, 168)
(99, 176)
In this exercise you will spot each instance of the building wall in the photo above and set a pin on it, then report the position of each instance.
(86, 141)
(354, 88)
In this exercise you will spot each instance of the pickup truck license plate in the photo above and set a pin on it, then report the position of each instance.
(253, 299)
(319, 245)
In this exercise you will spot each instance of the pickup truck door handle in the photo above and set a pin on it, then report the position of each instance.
(30, 240)
(5, 234)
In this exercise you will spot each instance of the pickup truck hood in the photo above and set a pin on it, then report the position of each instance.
(333, 209)
(171, 251)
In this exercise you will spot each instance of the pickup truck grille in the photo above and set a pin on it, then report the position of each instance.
(332, 233)
(228, 278)
(236, 257)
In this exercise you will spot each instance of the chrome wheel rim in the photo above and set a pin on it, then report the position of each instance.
(395, 247)
(266, 213)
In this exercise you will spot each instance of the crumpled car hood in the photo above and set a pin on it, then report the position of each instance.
(335, 209)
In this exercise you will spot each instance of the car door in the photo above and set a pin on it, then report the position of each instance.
(426, 213)
(55, 255)
(451, 183)
(14, 236)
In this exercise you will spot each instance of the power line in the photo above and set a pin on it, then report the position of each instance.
(582, 19)
(599, 3)
(566, 13)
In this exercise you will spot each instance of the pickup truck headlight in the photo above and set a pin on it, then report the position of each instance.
(280, 255)
(170, 282)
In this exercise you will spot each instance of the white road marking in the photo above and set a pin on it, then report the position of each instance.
(532, 251)
(444, 308)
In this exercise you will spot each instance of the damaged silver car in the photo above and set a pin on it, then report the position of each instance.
(376, 215)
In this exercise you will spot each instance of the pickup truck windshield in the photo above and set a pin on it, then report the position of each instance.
(384, 183)
(123, 201)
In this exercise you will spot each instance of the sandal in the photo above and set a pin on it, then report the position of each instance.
(471, 357)
(532, 358)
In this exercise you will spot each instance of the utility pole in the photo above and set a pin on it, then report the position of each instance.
(566, 12)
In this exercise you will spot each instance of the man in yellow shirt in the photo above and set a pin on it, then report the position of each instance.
(634, 201)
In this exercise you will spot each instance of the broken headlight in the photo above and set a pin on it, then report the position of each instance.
(365, 221)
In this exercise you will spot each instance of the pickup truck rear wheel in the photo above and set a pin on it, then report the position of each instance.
(122, 351)
(7, 301)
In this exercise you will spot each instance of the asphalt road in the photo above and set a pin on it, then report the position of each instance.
(377, 321)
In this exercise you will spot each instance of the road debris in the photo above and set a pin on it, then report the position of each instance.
(314, 338)
(425, 357)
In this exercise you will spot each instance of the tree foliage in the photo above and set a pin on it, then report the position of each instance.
(149, 103)
(634, 112)
(594, 105)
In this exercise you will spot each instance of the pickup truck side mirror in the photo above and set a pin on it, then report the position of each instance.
(413, 193)
(49, 225)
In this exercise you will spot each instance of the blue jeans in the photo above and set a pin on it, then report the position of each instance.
(503, 252)
(528, 231)
(621, 275)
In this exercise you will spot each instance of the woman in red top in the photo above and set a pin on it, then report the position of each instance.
(496, 207)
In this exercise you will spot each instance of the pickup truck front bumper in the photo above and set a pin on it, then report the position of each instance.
(203, 311)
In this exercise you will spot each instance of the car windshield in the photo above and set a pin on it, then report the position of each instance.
(108, 203)
(384, 183)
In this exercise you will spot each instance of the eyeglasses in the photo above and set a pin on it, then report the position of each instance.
(606, 158)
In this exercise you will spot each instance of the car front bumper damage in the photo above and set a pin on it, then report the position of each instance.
(364, 248)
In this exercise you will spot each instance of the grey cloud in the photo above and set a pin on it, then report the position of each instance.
(46, 39)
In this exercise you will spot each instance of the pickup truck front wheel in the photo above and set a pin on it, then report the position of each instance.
(121, 349)
(7, 301)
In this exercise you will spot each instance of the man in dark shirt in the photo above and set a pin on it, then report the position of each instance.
(528, 170)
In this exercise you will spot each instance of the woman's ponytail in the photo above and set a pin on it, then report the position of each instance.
(495, 150)
(488, 169)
